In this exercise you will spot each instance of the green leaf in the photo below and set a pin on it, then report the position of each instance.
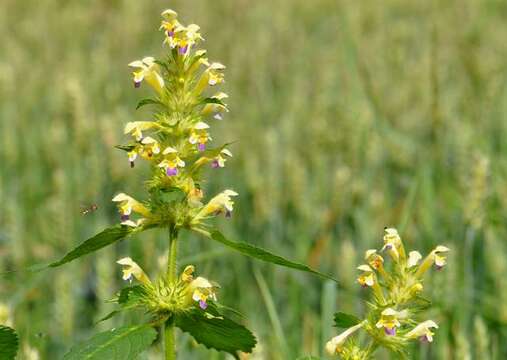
(8, 343)
(125, 147)
(343, 320)
(264, 255)
(131, 296)
(172, 194)
(308, 358)
(102, 239)
(217, 333)
(124, 343)
(128, 298)
(144, 102)
(212, 100)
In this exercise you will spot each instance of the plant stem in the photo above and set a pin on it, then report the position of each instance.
(169, 333)
(169, 339)
(172, 256)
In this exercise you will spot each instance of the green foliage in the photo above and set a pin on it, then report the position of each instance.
(264, 255)
(144, 102)
(8, 343)
(124, 343)
(218, 333)
(211, 100)
(343, 320)
(97, 242)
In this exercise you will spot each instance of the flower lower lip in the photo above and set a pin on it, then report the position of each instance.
(171, 171)
(390, 332)
(202, 304)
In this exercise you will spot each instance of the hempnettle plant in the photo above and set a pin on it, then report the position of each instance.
(176, 143)
(396, 302)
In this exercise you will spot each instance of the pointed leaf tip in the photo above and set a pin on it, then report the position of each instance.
(264, 255)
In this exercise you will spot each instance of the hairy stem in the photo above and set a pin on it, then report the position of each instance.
(169, 333)
(172, 256)
(170, 340)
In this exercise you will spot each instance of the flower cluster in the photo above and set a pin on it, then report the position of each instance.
(396, 300)
(162, 298)
(176, 141)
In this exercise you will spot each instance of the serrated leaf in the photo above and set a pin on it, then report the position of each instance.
(124, 343)
(131, 295)
(9, 343)
(217, 333)
(97, 242)
(144, 102)
(128, 298)
(343, 320)
(264, 255)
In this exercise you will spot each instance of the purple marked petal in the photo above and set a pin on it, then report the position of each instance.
(124, 217)
(201, 147)
(438, 267)
(214, 164)
(228, 214)
(390, 332)
(170, 33)
(202, 304)
(171, 171)
(137, 84)
(183, 49)
(424, 339)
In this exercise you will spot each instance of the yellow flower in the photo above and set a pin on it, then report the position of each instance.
(413, 258)
(199, 135)
(212, 76)
(440, 260)
(194, 197)
(219, 160)
(216, 109)
(132, 269)
(389, 321)
(147, 70)
(423, 331)
(393, 244)
(126, 205)
(188, 273)
(135, 128)
(177, 35)
(132, 155)
(172, 162)
(150, 147)
(198, 60)
(334, 346)
(219, 204)
(367, 278)
(435, 257)
(169, 24)
(202, 290)
(375, 260)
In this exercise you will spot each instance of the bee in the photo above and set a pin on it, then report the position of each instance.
(85, 210)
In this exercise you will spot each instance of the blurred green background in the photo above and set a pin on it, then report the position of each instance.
(348, 116)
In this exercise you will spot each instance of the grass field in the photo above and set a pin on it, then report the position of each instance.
(347, 116)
